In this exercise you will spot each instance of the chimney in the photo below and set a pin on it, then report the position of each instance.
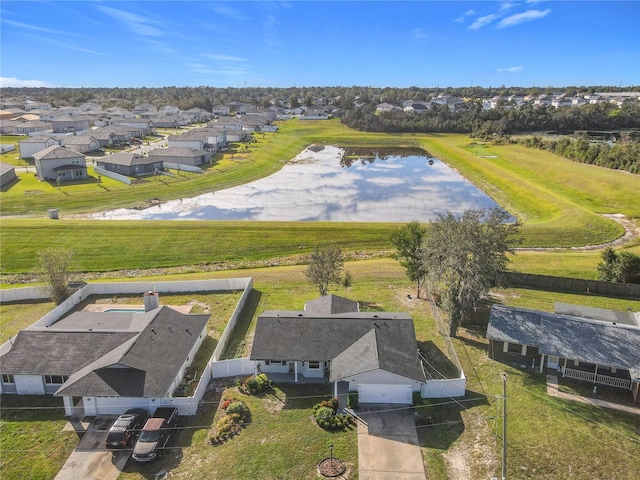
(151, 301)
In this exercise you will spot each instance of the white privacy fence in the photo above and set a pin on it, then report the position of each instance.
(444, 388)
(232, 368)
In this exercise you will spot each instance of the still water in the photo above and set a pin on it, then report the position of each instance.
(333, 185)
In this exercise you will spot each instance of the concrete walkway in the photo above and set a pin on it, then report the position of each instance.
(388, 447)
(553, 391)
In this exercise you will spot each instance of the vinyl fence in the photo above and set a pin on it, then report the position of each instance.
(114, 175)
(573, 285)
(232, 368)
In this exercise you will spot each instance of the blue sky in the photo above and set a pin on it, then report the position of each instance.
(77, 43)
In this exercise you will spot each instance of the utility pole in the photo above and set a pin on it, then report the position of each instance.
(504, 426)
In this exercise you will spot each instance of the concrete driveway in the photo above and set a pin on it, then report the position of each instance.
(388, 447)
(90, 460)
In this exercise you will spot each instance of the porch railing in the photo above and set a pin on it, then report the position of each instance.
(597, 378)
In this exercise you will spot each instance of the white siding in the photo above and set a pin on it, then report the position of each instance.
(381, 377)
(385, 393)
(303, 369)
(29, 384)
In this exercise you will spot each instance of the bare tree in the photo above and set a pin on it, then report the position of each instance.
(55, 263)
(325, 267)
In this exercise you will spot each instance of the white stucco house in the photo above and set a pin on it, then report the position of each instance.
(372, 353)
(107, 362)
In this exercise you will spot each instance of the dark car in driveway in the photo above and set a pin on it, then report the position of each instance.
(156, 434)
(124, 432)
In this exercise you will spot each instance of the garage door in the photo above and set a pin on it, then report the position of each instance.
(384, 393)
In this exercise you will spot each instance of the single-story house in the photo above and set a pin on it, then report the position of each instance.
(130, 164)
(590, 344)
(372, 353)
(60, 164)
(7, 174)
(180, 155)
(110, 361)
(26, 128)
(69, 124)
(30, 146)
(81, 143)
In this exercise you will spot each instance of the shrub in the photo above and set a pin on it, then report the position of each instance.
(229, 424)
(228, 401)
(257, 384)
(324, 414)
(416, 398)
(352, 399)
(238, 410)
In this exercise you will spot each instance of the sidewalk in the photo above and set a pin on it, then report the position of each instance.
(553, 391)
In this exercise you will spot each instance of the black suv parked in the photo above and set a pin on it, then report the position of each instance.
(156, 434)
(125, 430)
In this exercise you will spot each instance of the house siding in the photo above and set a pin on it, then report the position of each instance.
(381, 377)
(29, 385)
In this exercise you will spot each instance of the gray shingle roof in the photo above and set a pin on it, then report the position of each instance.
(146, 366)
(355, 342)
(66, 352)
(56, 152)
(587, 340)
(126, 159)
(330, 304)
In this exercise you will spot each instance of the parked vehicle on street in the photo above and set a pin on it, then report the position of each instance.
(124, 432)
(156, 434)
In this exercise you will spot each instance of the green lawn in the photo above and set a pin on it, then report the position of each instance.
(280, 441)
(559, 201)
(596, 443)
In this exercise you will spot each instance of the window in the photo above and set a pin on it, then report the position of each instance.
(514, 348)
(55, 379)
(275, 362)
(7, 379)
(314, 365)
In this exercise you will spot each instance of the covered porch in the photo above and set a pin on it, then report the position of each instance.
(587, 372)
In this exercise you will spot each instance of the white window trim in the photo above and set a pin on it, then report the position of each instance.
(310, 367)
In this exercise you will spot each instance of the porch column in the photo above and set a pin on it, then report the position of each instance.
(542, 363)
(564, 367)
(295, 371)
(68, 406)
(595, 376)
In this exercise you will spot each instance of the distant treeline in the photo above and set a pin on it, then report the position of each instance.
(620, 156)
(472, 119)
(343, 97)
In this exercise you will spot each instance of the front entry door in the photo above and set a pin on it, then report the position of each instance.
(552, 362)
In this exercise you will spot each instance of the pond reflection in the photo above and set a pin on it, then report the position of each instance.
(329, 184)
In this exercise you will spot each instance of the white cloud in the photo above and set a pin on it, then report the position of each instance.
(419, 33)
(226, 11)
(27, 26)
(482, 21)
(6, 82)
(225, 58)
(139, 24)
(511, 69)
(519, 18)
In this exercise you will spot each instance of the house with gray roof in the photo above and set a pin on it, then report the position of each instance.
(331, 340)
(7, 174)
(589, 344)
(81, 143)
(130, 164)
(30, 146)
(180, 155)
(60, 164)
(113, 361)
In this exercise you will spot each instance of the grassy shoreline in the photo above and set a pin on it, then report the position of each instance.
(559, 202)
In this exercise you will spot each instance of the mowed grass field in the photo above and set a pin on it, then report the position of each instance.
(560, 204)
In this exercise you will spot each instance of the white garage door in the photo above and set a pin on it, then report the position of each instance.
(384, 393)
